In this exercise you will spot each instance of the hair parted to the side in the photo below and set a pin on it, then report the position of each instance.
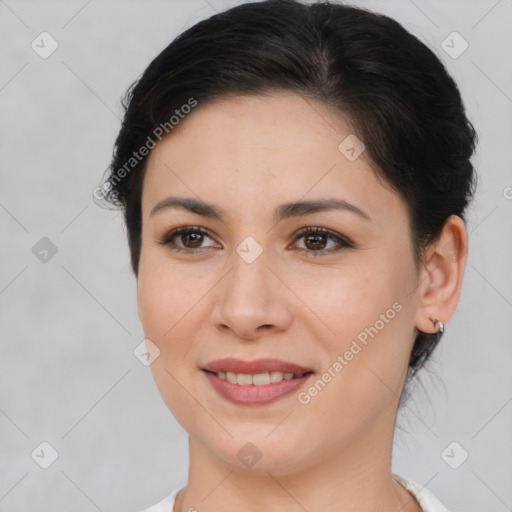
(398, 97)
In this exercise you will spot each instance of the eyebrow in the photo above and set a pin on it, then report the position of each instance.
(282, 212)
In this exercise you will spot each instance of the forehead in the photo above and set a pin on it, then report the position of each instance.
(245, 152)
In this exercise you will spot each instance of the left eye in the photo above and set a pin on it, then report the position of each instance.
(315, 240)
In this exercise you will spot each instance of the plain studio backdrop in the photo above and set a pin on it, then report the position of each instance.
(69, 321)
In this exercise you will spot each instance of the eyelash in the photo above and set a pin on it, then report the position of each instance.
(343, 242)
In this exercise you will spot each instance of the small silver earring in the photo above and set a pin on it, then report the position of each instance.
(435, 321)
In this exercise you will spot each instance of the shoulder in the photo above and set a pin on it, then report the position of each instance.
(166, 505)
(427, 501)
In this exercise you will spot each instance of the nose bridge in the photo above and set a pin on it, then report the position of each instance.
(250, 297)
(249, 274)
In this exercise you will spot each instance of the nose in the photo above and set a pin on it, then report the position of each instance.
(252, 300)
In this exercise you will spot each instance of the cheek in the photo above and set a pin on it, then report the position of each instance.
(164, 302)
(369, 316)
(158, 301)
(168, 309)
(345, 299)
(162, 293)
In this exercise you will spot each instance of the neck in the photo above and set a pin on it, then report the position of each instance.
(355, 477)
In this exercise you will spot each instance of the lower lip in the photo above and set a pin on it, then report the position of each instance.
(255, 395)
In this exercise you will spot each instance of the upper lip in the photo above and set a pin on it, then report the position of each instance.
(230, 364)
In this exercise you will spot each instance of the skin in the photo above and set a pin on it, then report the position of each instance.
(247, 155)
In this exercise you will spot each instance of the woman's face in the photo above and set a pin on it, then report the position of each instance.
(252, 288)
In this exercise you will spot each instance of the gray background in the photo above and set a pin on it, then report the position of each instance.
(69, 325)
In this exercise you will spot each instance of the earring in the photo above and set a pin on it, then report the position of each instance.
(435, 321)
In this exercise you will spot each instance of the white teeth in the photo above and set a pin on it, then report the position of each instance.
(231, 377)
(243, 379)
(259, 379)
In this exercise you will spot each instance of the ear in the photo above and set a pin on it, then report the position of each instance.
(440, 279)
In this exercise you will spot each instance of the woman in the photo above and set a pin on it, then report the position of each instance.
(294, 179)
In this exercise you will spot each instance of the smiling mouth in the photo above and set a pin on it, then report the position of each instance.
(257, 379)
(257, 389)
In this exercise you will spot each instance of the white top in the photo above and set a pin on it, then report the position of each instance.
(427, 501)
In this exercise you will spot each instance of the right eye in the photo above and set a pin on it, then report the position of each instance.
(191, 236)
